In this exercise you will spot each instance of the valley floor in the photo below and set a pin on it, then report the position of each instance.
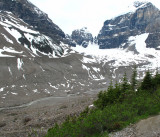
(37, 118)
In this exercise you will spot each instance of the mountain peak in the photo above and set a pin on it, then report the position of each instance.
(139, 3)
(82, 36)
(143, 19)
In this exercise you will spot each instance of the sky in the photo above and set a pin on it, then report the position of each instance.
(76, 14)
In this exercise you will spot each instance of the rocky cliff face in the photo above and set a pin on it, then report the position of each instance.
(145, 19)
(30, 14)
(82, 37)
(20, 39)
(25, 24)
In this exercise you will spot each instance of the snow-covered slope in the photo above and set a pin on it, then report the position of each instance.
(125, 57)
(20, 39)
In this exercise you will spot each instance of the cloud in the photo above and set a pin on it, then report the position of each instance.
(75, 14)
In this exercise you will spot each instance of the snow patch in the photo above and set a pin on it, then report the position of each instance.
(19, 64)
(35, 91)
(7, 39)
(2, 89)
(13, 93)
(10, 71)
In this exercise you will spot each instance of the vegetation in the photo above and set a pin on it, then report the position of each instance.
(114, 109)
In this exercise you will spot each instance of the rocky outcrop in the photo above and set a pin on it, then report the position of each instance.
(145, 19)
(20, 39)
(82, 37)
(34, 17)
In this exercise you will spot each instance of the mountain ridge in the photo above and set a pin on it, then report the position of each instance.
(116, 31)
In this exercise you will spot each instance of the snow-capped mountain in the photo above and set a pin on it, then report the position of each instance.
(37, 61)
(24, 25)
(20, 39)
(82, 37)
(143, 18)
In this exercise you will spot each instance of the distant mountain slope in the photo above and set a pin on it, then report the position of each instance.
(82, 37)
(20, 39)
(144, 19)
(33, 16)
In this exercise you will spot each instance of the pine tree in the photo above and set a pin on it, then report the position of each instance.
(124, 88)
(156, 81)
(134, 79)
(125, 85)
(110, 93)
(147, 82)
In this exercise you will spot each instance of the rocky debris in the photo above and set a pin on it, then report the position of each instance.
(82, 37)
(146, 19)
(35, 120)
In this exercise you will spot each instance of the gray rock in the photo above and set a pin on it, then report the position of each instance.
(82, 37)
(32, 15)
(146, 19)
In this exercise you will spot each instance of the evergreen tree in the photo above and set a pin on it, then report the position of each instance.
(134, 79)
(147, 82)
(110, 93)
(125, 85)
(156, 81)
(124, 88)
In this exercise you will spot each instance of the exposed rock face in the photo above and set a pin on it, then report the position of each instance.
(34, 17)
(82, 37)
(146, 19)
(70, 41)
(20, 39)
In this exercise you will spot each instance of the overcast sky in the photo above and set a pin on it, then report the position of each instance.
(75, 14)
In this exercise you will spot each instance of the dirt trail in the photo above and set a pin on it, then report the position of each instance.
(145, 128)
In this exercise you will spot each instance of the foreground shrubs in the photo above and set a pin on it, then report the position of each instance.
(115, 108)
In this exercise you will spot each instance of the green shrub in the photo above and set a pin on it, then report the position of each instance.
(115, 109)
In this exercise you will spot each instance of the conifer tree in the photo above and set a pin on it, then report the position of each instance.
(110, 93)
(125, 85)
(156, 81)
(147, 82)
(134, 79)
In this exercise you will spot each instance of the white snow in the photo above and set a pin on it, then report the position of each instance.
(24, 77)
(42, 68)
(119, 56)
(14, 33)
(35, 91)
(10, 71)
(139, 40)
(96, 69)
(47, 91)
(9, 50)
(2, 89)
(13, 93)
(88, 60)
(19, 63)
(7, 39)
(13, 86)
